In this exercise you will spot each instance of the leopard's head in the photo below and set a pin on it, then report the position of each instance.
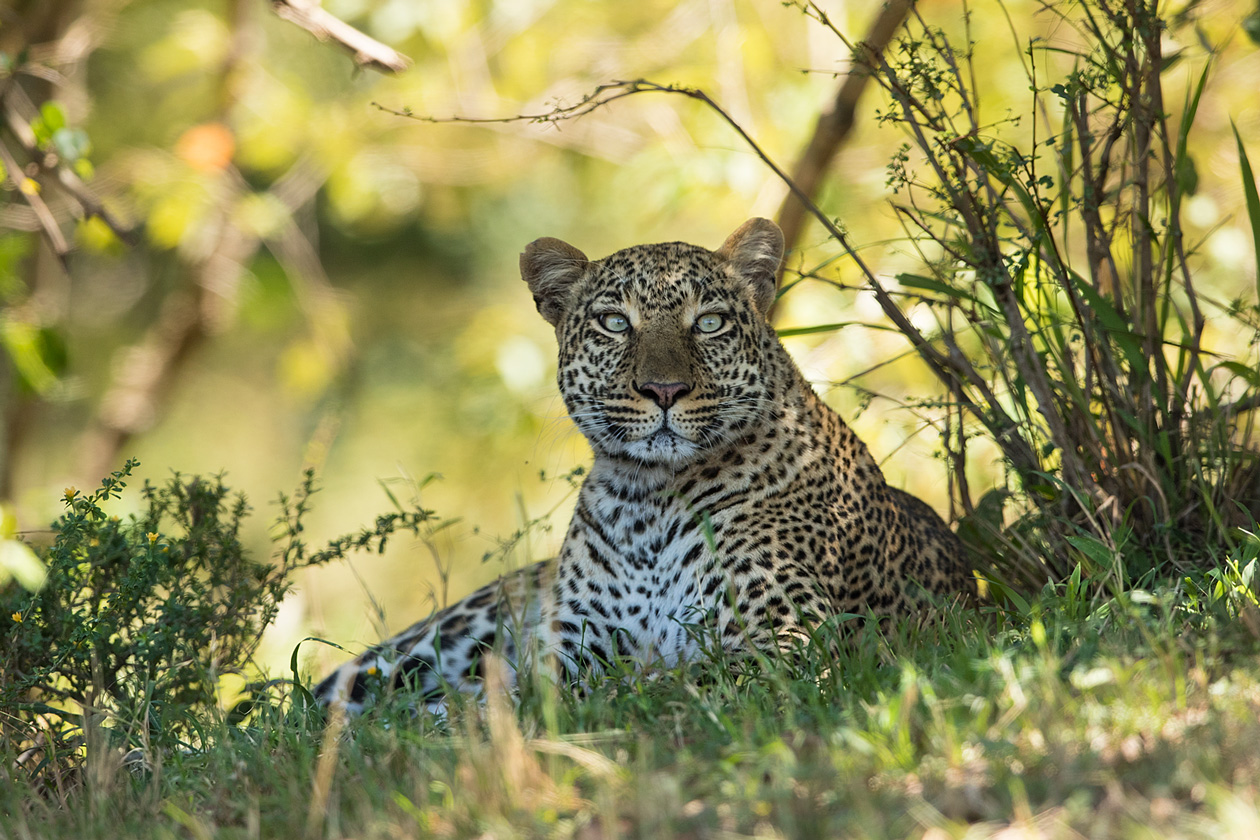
(665, 351)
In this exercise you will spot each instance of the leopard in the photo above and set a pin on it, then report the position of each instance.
(724, 492)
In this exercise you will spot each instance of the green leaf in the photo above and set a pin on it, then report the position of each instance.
(300, 692)
(821, 328)
(1183, 160)
(1074, 590)
(1253, 199)
(13, 249)
(981, 527)
(51, 118)
(1117, 327)
(71, 143)
(918, 281)
(1251, 25)
(53, 115)
(1066, 154)
(1247, 373)
(1187, 175)
(1004, 594)
(1102, 556)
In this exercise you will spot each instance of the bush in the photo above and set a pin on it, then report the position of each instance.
(140, 617)
(1069, 323)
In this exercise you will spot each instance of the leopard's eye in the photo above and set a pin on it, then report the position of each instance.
(712, 322)
(614, 322)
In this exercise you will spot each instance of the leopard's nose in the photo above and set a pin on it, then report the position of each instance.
(664, 394)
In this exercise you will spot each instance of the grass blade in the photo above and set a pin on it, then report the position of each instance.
(1253, 199)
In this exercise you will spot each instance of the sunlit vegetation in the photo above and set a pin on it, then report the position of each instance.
(1028, 276)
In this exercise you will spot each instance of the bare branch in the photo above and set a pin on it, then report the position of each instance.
(367, 51)
(605, 94)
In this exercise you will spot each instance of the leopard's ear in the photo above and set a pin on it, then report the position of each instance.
(754, 253)
(551, 267)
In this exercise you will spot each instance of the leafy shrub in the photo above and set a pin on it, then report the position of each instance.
(1069, 325)
(140, 617)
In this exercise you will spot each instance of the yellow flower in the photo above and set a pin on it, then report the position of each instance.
(153, 537)
(373, 671)
(71, 492)
(17, 617)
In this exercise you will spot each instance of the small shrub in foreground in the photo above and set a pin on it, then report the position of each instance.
(139, 617)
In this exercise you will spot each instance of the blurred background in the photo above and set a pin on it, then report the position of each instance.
(286, 270)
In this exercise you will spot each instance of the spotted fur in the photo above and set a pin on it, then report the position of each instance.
(723, 492)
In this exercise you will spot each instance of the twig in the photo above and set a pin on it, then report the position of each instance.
(31, 195)
(92, 206)
(602, 95)
(17, 109)
(367, 51)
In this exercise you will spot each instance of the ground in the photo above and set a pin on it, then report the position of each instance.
(1130, 714)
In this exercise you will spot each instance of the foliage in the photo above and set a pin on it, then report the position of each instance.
(140, 618)
(1130, 713)
(1070, 329)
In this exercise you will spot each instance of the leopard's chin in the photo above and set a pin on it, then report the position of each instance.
(665, 447)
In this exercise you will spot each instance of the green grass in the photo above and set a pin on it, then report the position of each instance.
(1133, 714)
